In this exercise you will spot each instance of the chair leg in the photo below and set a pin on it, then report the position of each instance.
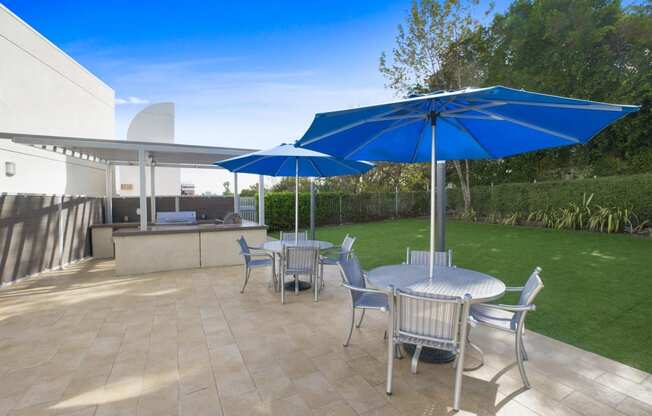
(296, 284)
(316, 288)
(390, 365)
(361, 318)
(475, 347)
(348, 339)
(519, 357)
(415, 358)
(247, 272)
(525, 357)
(281, 283)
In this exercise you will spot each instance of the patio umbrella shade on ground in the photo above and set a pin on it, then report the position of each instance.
(480, 123)
(288, 160)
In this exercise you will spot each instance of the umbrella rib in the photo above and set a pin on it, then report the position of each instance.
(470, 116)
(345, 166)
(312, 162)
(595, 107)
(416, 148)
(394, 125)
(464, 129)
(344, 128)
(249, 163)
(531, 126)
(472, 108)
(281, 166)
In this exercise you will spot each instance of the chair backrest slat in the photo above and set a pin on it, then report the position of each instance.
(244, 249)
(303, 235)
(430, 317)
(422, 257)
(347, 244)
(300, 259)
(352, 273)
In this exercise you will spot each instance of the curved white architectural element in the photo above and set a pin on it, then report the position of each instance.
(154, 123)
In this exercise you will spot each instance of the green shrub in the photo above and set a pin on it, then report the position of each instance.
(632, 192)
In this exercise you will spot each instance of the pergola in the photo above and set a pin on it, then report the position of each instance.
(142, 154)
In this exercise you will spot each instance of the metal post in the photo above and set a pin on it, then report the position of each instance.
(396, 202)
(176, 203)
(142, 189)
(433, 180)
(61, 232)
(296, 202)
(261, 200)
(441, 205)
(152, 191)
(109, 194)
(340, 209)
(313, 202)
(236, 194)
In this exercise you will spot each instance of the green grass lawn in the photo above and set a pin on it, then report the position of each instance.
(598, 287)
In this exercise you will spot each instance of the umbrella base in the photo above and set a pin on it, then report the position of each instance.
(302, 286)
(431, 355)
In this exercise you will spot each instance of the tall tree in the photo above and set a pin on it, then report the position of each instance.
(589, 49)
(434, 51)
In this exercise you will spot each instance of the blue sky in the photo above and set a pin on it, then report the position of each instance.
(242, 74)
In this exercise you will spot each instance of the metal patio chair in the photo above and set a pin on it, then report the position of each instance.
(427, 320)
(284, 236)
(255, 260)
(299, 261)
(332, 258)
(361, 297)
(422, 257)
(511, 318)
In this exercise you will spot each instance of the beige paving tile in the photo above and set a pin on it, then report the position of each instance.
(188, 343)
(316, 390)
(633, 407)
(588, 406)
(200, 403)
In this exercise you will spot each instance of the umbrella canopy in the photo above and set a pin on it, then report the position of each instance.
(483, 123)
(288, 160)
(480, 123)
(281, 161)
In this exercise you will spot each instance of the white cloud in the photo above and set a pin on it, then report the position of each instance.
(131, 100)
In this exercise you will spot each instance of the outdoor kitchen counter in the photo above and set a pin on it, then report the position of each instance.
(175, 247)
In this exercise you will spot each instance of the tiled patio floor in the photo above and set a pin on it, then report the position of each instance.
(83, 342)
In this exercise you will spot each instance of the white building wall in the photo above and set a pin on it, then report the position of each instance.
(44, 91)
(155, 123)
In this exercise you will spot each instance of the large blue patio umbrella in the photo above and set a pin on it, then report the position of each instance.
(288, 160)
(481, 123)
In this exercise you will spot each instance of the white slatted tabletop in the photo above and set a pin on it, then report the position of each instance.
(447, 281)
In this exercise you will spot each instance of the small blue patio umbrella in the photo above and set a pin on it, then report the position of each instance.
(288, 160)
(480, 123)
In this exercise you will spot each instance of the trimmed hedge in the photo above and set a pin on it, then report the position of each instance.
(616, 191)
(633, 191)
(337, 208)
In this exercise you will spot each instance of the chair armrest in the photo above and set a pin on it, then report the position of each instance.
(510, 308)
(251, 255)
(514, 289)
(363, 289)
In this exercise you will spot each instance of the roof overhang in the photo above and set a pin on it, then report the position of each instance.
(123, 152)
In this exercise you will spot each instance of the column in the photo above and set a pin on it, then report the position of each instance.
(142, 189)
(109, 194)
(236, 194)
(261, 200)
(152, 191)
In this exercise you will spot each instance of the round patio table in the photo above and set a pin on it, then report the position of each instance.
(447, 281)
(276, 247)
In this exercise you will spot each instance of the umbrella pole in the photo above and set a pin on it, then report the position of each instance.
(433, 180)
(296, 203)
